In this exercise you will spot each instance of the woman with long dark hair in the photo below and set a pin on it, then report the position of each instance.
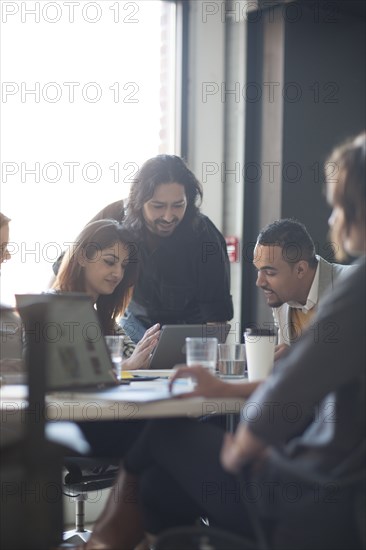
(103, 263)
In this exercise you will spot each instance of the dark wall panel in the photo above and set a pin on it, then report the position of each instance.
(325, 61)
(320, 96)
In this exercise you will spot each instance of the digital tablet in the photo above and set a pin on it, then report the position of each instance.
(170, 349)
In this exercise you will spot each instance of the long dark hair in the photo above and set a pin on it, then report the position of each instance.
(94, 238)
(155, 171)
(113, 211)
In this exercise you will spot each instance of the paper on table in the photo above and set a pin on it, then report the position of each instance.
(164, 373)
(141, 391)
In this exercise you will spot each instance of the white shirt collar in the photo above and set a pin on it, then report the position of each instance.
(312, 298)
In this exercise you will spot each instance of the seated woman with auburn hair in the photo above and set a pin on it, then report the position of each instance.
(103, 263)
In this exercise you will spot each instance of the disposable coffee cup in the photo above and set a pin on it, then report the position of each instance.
(259, 346)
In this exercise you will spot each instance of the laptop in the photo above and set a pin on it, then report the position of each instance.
(77, 358)
(170, 349)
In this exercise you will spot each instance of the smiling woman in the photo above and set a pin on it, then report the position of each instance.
(106, 270)
(102, 263)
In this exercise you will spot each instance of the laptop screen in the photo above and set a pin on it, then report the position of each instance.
(76, 353)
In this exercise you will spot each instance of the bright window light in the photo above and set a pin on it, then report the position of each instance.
(87, 95)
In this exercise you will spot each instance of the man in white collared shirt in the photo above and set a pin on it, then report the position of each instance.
(293, 278)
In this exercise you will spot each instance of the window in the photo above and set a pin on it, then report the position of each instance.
(88, 94)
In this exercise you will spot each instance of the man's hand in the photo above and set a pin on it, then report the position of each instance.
(207, 385)
(240, 448)
(230, 456)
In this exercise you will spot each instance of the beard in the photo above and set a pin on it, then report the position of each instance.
(161, 228)
(273, 300)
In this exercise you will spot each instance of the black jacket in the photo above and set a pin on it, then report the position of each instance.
(186, 279)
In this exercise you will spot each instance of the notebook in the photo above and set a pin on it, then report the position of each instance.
(170, 349)
(77, 358)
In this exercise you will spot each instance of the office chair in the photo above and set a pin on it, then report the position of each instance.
(84, 475)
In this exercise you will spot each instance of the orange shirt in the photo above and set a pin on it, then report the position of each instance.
(299, 321)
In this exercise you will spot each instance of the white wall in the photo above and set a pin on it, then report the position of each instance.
(216, 119)
(206, 110)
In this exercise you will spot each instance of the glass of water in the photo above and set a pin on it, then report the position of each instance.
(202, 351)
(115, 348)
(232, 360)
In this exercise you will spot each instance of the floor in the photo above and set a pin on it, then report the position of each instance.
(75, 540)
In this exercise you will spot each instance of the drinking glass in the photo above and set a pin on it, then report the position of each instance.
(232, 360)
(202, 351)
(115, 348)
